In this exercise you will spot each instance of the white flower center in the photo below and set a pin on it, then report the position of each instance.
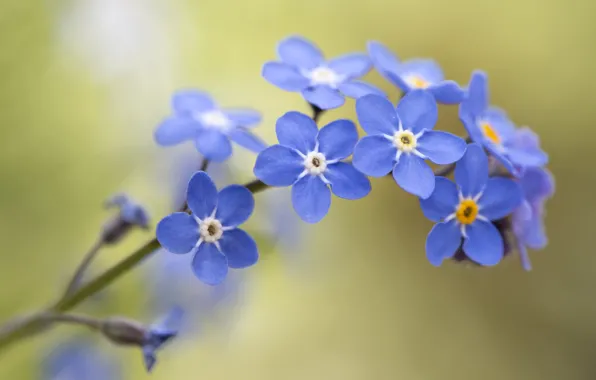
(210, 230)
(315, 163)
(404, 141)
(324, 75)
(215, 119)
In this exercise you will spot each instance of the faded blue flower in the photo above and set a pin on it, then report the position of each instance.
(401, 139)
(302, 68)
(414, 74)
(211, 232)
(197, 117)
(159, 334)
(79, 360)
(465, 209)
(310, 161)
(131, 212)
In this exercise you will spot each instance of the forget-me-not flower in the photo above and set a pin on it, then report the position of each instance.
(401, 139)
(197, 117)
(76, 360)
(414, 74)
(211, 232)
(302, 67)
(310, 161)
(465, 209)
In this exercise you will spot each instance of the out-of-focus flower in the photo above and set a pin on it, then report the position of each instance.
(79, 360)
(130, 214)
(400, 140)
(310, 161)
(302, 68)
(414, 74)
(465, 209)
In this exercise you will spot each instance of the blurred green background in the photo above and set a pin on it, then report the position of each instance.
(83, 83)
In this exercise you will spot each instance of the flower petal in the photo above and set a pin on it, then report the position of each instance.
(278, 166)
(503, 159)
(383, 59)
(374, 156)
(174, 130)
(426, 69)
(527, 158)
(476, 100)
(500, 197)
(357, 89)
(311, 198)
(323, 97)
(297, 131)
(178, 232)
(418, 110)
(499, 122)
(483, 244)
(351, 66)
(447, 92)
(377, 115)
(235, 204)
(441, 147)
(247, 140)
(201, 195)
(190, 101)
(299, 51)
(347, 182)
(442, 201)
(209, 265)
(442, 242)
(337, 139)
(471, 172)
(414, 176)
(213, 145)
(239, 248)
(243, 117)
(284, 76)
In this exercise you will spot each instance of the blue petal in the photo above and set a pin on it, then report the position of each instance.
(374, 156)
(441, 147)
(149, 358)
(414, 176)
(537, 183)
(377, 115)
(351, 66)
(471, 172)
(398, 81)
(323, 97)
(442, 202)
(175, 130)
(503, 159)
(298, 51)
(347, 182)
(209, 265)
(499, 121)
(284, 76)
(357, 89)
(297, 131)
(311, 198)
(239, 248)
(442, 242)
(243, 117)
(500, 197)
(213, 145)
(337, 139)
(426, 69)
(278, 166)
(190, 101)
(235, 204)
(418, 110)
(470, 124)
(247, 140)
(447, 92)
(383, 59)
(178, 232)
(527, 158)
(534, 234)
(201, 195)
(476, 100)
(483, 244)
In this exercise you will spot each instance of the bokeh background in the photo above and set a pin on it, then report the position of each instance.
(83, 83)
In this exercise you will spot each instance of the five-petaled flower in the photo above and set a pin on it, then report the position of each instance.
(302, 67)
(490, 127)
(309, 160)
(414, 74)
(197, 117)
(401, 138)
(465, 210)
(211, 232)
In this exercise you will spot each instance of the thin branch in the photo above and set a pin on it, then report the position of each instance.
(76, 319)
(82, 268)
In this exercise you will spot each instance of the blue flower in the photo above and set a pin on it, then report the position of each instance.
(159, 334)
(414, 74)
(303, 68)
(309, 160)
(402, 139)
(78, 359)
(196, 117)
(465, 210)
(211, 231)
(131, 212)
(490, 127)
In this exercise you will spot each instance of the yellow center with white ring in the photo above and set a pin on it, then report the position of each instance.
(210, 230)
(315, 163)
(405, 141)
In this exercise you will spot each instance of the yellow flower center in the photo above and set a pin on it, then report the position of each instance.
(417, 82)
(405, 141)
(467, 211)
(490, 133)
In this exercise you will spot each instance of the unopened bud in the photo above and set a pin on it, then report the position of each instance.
(130, 214)
(124, 331)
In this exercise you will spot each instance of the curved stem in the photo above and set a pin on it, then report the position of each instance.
(82, 268)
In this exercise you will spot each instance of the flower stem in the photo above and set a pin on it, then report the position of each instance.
(82, 268)
(76, 319)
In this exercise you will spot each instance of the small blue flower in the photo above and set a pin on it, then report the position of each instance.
(303, 68)
(78, 359)
(159, 334)
(402, 139)
(131, 212)
(414, 74)
(197, 117)
(309, 160)
(465, 210)
(490, 127)
(211, 231)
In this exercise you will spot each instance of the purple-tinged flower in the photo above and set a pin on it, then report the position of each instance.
(465, 209)
(414, 74)
(302, 67)
(197, 117)
(490, 127)
(310, 161)
(211, 232)
(78, 359)
(130, 214)
(401, 139)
